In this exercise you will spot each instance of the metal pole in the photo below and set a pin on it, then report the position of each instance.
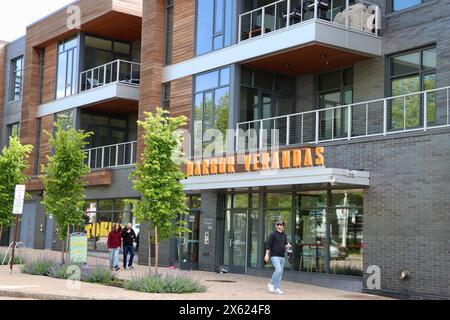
(425, 110)
(288, 13)
(14, 243)
(328, 229)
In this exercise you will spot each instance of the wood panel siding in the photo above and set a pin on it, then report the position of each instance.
(45, 34)
(2, 79)
(152, 50)
(93, 179)
(181, 98)
(183, 30)
(49, 79)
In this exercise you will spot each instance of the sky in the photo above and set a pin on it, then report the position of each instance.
(16, 15)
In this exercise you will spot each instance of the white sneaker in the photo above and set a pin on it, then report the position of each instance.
(271, 287)
(278, 291)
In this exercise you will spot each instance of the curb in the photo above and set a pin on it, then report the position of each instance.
(41, 296)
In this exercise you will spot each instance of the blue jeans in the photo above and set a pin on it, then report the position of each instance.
(114, 257)
(278, 263)
(126, 250)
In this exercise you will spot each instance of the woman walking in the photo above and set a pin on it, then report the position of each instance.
(114, 244)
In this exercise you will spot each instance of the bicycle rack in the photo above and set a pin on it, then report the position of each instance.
(19, 245)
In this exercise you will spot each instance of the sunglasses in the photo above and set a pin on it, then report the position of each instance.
(280, 224)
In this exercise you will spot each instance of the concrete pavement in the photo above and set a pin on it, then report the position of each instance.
(220, 286)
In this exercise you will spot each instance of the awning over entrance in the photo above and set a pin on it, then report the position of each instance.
(299, 176)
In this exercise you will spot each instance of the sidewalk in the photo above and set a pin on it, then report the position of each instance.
(220, 286)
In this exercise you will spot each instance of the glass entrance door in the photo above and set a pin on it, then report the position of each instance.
(237, 240)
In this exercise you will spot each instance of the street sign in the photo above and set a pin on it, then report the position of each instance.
(78, 248)
(19, 198)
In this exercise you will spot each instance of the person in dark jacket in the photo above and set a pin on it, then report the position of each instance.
(128, 237)
(276, 248)
(114, 243)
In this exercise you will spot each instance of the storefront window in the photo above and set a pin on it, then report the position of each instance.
(99, 222)
(346, 228)
(189, 242)
(305, 217)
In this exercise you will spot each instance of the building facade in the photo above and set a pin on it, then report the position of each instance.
(332, 116)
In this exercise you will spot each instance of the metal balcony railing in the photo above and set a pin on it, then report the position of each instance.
(116, 155)
(354, 14)
(422, 110)
(119, 71)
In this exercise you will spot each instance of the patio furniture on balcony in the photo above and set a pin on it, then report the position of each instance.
(360, 17)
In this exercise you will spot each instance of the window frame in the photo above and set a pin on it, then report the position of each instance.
(13, 75)
(392, 2)
(215, 34)
(168, 30)
(203, 92)
(10, 130)
(75, 65)
(421, 73)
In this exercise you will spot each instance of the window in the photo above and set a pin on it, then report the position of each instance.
(211, 106)
(13, 131)
(265, 95)
(334, 89)
(41, 73)
(166, 97)
(67, 74)
(169, 32)
(16, 79)
(214, 29)
(99, 51)
(66, 119)
(412, 72)
(398, 5)
(107, 129)
(37, 147)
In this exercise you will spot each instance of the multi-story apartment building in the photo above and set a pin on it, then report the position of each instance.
(331, 115)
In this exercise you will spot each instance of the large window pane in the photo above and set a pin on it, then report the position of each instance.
(346, 227)
(249, 104)
(211, 111)
(98, 43)
(405, 108)
(406, 64)
(330, 81)
(429, 58)
(222, 102)
(206, 81)
(204, 26)
(403, 4)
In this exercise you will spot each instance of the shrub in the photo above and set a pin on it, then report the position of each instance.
(58, 271)
(18, 259)
(167, 284)
(97, 274)
(39, 267)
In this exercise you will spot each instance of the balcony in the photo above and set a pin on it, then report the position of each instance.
(420, 111)
(119, 71)
(351, 15)
(112, 156)
(117, 80)
(268, 36)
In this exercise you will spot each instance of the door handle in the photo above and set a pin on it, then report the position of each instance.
(230, 242)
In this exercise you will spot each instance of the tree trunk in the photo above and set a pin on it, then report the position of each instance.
(67, 246)
(156, 250)
(150, 249)
(62, 251)
(1, 230)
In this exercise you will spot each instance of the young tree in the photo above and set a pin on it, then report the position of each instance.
(62, 178)
(13, 162)
(158, 177)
